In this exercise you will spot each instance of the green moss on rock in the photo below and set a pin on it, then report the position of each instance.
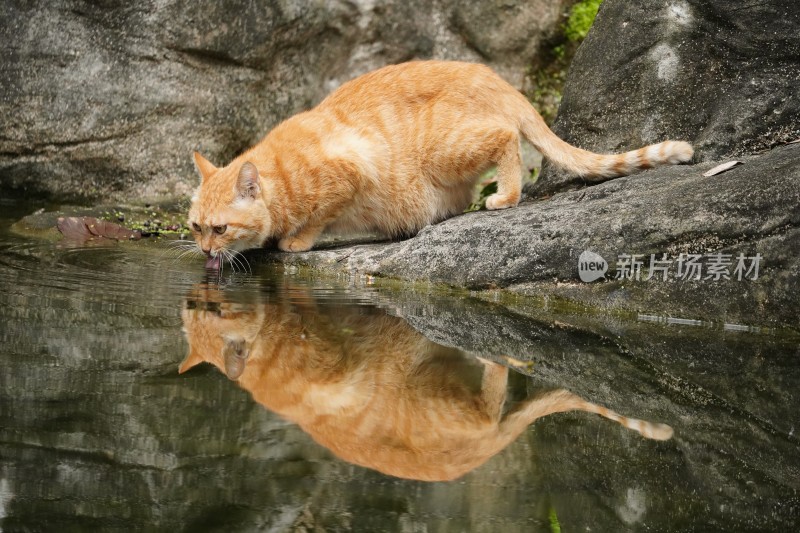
(581, 19)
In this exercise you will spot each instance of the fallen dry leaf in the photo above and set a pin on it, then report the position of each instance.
(719, 169)
(82, 229)
(517, 362)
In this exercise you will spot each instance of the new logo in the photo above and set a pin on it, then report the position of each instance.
(591, 266)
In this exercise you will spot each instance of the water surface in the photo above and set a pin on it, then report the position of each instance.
(100, 431)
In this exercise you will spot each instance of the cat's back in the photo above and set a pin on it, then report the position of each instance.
(413, 84)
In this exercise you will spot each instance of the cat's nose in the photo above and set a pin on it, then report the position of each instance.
(206, 251)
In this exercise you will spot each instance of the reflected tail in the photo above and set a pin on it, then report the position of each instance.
(560, 401)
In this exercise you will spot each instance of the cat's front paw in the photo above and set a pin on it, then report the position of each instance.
(295, 244)
(497, 201)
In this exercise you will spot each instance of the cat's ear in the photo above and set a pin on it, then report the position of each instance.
(191, 361)
(204, 166)
(235, 353)
(248, 185)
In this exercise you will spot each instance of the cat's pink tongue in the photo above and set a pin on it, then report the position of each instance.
(214, 262)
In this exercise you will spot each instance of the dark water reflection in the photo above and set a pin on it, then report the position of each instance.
(98, 431)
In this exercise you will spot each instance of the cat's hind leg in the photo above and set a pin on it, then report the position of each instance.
(493, 388)
(509, 172)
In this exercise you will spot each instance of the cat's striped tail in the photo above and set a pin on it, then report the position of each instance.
(651, 430)
(560, 401)
(598, 166)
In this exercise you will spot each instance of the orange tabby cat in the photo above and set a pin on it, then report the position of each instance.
(391, 151)
(371, 388)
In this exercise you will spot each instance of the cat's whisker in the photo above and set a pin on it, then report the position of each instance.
(186, 249)
(181, 244)
(226, 255)
(236, 258)
(186, 253)
(241, 257)
(178, 246)
(244, 264)
(231, 256)
(187, 246)
(232, 259)
(178, 251)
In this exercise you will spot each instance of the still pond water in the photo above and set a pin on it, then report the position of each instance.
(314, 403)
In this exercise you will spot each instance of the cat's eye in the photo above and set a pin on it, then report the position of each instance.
(196, 227)
(219, 230)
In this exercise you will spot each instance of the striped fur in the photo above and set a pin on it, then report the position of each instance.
(391, 151)
(372, 389)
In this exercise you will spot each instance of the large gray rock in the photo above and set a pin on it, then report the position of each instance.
(109, 99)
(535, 247)
(721, 75)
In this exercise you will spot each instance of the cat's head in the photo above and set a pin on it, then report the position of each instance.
(228, 212)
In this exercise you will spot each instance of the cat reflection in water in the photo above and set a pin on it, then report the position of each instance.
(371, 388)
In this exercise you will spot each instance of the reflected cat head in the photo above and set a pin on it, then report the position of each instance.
(218, 329)
(369, 387)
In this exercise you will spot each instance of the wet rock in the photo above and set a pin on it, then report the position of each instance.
(43, 223)
(535, 248)
(81, 230)
(108, 100)
(723, 78)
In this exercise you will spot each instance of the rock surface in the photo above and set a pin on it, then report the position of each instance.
(535, 247)
(724, 78)
(107, 100)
